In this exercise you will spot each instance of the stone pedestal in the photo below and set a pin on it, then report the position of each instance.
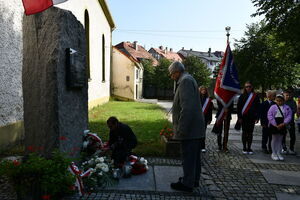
(172, 147)
(54, 115)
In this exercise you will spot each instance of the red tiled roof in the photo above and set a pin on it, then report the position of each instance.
(128, 56)
(140, 53)
(170, 55)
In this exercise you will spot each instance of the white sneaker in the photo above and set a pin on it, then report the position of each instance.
(274, 156)
(283, 151)
(280, 157)
(203, 150)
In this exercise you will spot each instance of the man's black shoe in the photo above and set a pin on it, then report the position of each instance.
(196, 184)
(180, 187)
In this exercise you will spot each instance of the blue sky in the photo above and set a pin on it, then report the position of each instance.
(195, 24)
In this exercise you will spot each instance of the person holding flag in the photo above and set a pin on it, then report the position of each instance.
(207, 107)
(227, 86)
(248, 115)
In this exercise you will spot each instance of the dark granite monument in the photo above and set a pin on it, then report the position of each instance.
(55, 101)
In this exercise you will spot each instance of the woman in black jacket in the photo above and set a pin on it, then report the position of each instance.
(248, 114)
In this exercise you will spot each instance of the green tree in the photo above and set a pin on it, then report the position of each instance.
(260, 58)
(198, 70)
(161, 78)
(149, 73)
(283, 20)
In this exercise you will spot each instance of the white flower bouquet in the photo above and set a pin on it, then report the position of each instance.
(101, 172)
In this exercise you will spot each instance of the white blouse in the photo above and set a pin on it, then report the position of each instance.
(278, 114)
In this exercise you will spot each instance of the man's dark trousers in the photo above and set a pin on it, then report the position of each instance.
(291, 131)
(191, 161)
(266, 139)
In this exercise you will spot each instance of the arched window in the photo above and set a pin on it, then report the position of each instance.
(103, 58)
(87, 37)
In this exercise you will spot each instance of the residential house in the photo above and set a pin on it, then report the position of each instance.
(136, 51)
(160, 52)
(127, 76)
(98, 22)
(127, 69)
(211, 59)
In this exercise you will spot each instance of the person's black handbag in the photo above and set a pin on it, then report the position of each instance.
(217, 129)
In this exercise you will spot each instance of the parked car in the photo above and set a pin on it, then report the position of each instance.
(235, 101)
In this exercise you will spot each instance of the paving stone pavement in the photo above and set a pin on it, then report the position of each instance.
(229, 175)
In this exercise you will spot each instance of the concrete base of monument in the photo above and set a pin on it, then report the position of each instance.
(172, 147)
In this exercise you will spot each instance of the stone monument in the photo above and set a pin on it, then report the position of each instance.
(55, 114)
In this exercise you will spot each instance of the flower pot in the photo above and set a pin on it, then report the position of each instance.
(172, 147)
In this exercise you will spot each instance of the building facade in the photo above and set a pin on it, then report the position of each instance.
(11, 56)
(127, 76)
(210, 59)
(97, 20)
(160, 52)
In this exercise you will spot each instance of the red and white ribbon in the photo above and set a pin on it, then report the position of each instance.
(95, 138)
(78, 183)
(133, 159)
(206, 105)
(79, 175)
(87, 173)
(248, 103)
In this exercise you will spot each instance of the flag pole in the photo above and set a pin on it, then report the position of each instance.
(227, 29)
(225, 110)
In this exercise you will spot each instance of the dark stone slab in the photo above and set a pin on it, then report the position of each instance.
(282, 177)
(285, 196)
(138, 182)
(165, 175)
(54, 116)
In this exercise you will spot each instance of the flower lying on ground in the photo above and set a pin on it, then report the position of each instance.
(101, 172)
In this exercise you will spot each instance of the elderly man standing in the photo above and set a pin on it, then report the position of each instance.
(188, 125)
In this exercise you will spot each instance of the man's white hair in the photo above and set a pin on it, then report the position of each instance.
(271, 92)
(176, 67)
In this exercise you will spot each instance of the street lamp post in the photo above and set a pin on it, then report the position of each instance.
(227, 29)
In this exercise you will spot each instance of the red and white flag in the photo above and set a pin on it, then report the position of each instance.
(227, 83)
(36, 6)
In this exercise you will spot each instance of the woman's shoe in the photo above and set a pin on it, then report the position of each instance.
(250, 151)
(280, 157)
(274, 156)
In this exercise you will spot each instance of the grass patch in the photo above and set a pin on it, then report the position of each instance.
(146, 121)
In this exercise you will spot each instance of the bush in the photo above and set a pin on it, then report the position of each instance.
(38, 177)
